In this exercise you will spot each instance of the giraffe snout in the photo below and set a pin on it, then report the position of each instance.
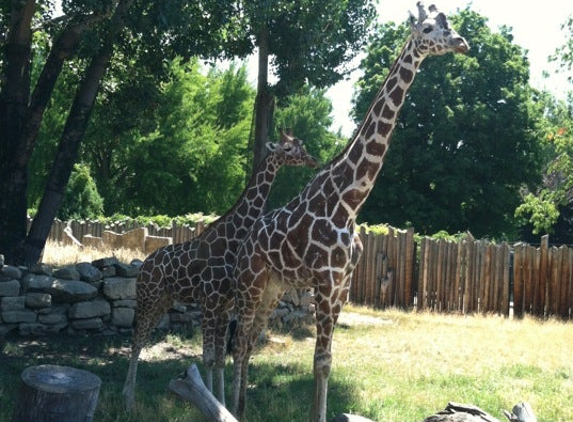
(312, 162)
(461, 45)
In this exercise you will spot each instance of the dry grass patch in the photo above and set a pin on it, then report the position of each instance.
(59, 255)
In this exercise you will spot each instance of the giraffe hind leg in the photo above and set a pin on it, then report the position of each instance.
(145, 323)
(264, 305)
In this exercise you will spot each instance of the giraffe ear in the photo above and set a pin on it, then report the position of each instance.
(271, 146)
(412, 20)
(286, 133)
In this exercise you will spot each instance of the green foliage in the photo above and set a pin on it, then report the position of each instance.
(539, 211)
(189, 155)
(327, 35)
(163, 221)
(82, 199)
(547, 209)
(564, 54)
(465, 139)
(381, 229)
(443, 235)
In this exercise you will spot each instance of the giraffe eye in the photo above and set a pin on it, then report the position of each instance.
(427, 30)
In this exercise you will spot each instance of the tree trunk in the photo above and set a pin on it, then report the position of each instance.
(56, 393)
(67, 153)
(14, 95)
(20, 121)
(264, 103)
(65, 158)
(63, 49)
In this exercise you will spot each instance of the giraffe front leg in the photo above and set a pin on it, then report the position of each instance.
(328, 309)
(242, 351)
(249, 295)
(240, 367)
(129, 386)
(220, 355)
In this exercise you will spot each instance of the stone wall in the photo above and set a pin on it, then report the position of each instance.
(99, 297)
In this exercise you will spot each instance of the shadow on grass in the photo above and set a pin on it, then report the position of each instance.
(107, 357)
(278, 392)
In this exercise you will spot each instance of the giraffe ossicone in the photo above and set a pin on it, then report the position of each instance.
(312, 241)
(201, 270)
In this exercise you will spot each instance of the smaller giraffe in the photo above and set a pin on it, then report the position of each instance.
(200, 270)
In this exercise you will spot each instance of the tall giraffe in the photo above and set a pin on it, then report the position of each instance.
(312, 241)
(201, 270)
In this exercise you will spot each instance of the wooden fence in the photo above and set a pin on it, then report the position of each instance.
(470, 276)
(384, 275)
(542, 281)
(81, 228)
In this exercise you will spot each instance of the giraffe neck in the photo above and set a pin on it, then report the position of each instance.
(353, 173)
(251, 203)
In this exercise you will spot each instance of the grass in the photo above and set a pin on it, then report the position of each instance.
(390, 366)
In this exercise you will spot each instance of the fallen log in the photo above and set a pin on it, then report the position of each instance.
(455, 412)
(521, 412)
(192, 388)
(347, 417)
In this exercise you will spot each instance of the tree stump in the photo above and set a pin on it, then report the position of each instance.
(52, 393)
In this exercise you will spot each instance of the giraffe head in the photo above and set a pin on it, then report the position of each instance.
(432, 33)
(291, 150)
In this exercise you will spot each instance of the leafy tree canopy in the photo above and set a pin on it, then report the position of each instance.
(190, 156)
(309, 41)
(93, 41)
(548, 208)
